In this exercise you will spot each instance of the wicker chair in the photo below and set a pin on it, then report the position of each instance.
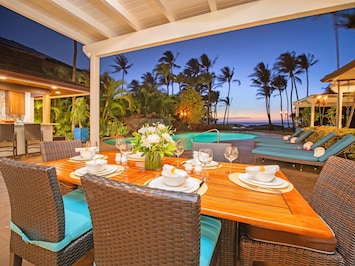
(46, 227)
(217, 148)
(8, 142)
(135, 225)
(333, 199)
(60, 149)
(33, 137)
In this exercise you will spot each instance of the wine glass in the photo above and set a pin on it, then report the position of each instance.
(205, 156)
(231, 153)
(119, 143)
(179, 150)
(125, 150)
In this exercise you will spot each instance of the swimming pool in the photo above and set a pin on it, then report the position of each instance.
(210, 137)
(198, 137)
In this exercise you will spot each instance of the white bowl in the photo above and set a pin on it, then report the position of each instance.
(264, 176)
(176, 179)
(267, 175)
(95, 166)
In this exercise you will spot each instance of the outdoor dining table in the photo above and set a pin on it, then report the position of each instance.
(288, 212)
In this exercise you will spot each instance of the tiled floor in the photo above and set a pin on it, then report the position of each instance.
(303, 181)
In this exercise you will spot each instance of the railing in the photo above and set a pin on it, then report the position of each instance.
(210, 130)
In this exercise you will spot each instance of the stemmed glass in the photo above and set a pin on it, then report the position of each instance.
(179, 150)
(125, 150)
(119, 143)
(231, 153)
(205, 156)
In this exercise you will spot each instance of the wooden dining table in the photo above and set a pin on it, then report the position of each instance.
(288, 212)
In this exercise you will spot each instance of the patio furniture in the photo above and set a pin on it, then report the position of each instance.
(60, 149)
(301, 156)
(302, 137)
(33, 136)
(46, 227)
(8, 142)
(297, 132)
(333, 199)
(136, 225)
(217, 149)
(319, 143)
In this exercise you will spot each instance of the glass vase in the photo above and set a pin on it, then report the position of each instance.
(153, 161)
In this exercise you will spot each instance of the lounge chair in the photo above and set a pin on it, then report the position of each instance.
(298, 146)
(302, 156)
(297, 132)
(302, 137)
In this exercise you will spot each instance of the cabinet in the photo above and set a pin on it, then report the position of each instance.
(15, 103)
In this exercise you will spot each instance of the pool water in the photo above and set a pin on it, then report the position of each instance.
(187, 137)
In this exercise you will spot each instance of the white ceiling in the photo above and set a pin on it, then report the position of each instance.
(108, 27)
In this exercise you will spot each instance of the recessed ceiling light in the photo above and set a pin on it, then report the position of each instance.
(54, 87)
(3, 77)
(57, 92)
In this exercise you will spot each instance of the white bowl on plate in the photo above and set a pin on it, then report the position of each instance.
(173, 177)
(266, 175)
(95, 166)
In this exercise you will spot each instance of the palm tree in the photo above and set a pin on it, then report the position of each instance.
(305, 62)
(206, 79)
(261, 78)
(279, 83)
(170, 59)
(164, 75)
(121, 65)
(206, 63)
(287, 64)
(75, 55)
(227, 76)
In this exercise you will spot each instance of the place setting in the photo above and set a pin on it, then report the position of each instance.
(98, 167)
(262, 179)
(175, 179)
(87, 154)
(199, 160)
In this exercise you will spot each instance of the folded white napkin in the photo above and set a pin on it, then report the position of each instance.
(169, 170)
(263, 168)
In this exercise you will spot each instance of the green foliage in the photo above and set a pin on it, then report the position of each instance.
(80, 112)
(190, 102)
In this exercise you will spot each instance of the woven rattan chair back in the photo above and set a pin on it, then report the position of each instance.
(8, 141)
(135, 225)
(37, 208)
(60, 149)
(33, 136)
(217, 149)
(333, 199)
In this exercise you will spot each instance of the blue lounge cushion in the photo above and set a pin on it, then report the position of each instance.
(286, 153)
(77, 222)
(337, 147)
(210, 230)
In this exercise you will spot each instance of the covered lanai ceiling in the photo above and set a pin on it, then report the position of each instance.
(108, 27)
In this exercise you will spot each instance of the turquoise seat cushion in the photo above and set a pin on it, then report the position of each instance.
(77, 222)
(286, 153)
(338, 147)
(210, 230)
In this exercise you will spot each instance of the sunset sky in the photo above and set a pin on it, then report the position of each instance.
(241, 50)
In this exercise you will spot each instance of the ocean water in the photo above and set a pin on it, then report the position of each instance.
(255, 123)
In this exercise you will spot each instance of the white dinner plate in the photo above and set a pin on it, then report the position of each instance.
(109, 170)
(191, 185)
(80, 158)
(275, 183)
(211, 164)
(136, 157)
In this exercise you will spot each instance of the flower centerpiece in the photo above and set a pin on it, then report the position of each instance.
(154, 141)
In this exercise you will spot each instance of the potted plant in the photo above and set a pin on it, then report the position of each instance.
(80, 118)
